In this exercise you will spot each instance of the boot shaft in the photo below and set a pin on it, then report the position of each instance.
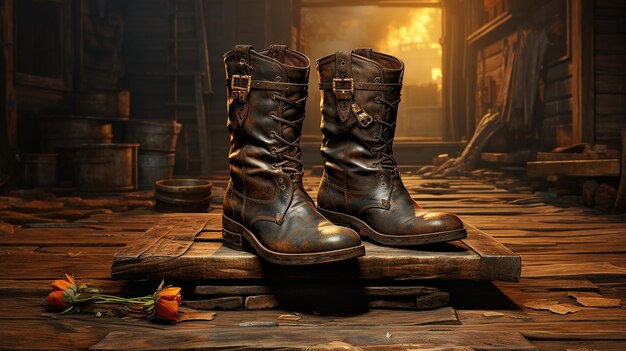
(266, 93)
(360, 95)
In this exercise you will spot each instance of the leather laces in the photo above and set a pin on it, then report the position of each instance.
(292, 165)
(386, 160)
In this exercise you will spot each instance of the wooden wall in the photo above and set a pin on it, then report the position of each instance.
(610, 71)
(148, 46)
(8, 114)
(570, 109)
(92, 34)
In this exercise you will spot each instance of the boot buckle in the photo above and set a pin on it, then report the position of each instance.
(343, 88)
(364, 118)
(240, 87)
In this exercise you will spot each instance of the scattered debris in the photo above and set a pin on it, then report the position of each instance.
(552, 306)
(290, 317)
(258, 324)
(492, 314)
(591, 299)
(564, 308)
(440, 159)
(196, 316)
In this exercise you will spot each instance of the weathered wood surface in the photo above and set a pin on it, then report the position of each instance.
(299, 338)
(478, 257)
(564, 248)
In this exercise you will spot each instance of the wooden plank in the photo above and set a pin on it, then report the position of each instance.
(164, 242)
(563, 156)
(496, 260)
(506, 158)
(477, 257)
(302, 338)
(67, 237)
(137, 247)
(587, 270)
(400, 290)
(574, 168)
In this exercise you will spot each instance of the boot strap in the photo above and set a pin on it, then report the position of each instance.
(343, 84)
(246, 83)
(366, 86)
(241, 85)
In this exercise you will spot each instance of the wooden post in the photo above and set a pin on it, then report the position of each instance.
(8, 112)
(454, 123)
(583, 74)
(620, 201)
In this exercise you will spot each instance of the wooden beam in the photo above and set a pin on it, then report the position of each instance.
(620, 202)
(8, 112)
(583, 78)
(574, 168)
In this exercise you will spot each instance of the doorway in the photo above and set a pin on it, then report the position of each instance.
(411, 33)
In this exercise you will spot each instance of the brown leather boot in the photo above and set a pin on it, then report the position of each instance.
(361, 186)
(265, 203)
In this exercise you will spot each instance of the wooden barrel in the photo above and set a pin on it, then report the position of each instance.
(183, 195)
(153, 135)
(38, 170)
(106, 167)
(155, 165)
(68, 131)
(113, 104)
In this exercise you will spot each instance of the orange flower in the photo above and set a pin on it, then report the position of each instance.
(166, 304)
(63, 284)
(56, 301)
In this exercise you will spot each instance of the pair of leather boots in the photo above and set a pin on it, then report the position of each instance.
(266, 205)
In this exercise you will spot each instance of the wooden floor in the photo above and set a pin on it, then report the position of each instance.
(565, 250)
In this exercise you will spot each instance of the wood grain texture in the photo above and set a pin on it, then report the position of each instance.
(300, 338)
(479, 257)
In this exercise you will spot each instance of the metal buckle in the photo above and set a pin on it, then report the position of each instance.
(343, 88)
(240, 91)
(364, 118)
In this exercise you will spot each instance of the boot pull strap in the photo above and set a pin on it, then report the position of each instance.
(343, 84)
(365, 52)
(242, 54)
(240, 83)
(277, 52)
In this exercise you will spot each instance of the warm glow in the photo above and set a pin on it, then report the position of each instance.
(417, 33)
(416, 41)
(436, 73)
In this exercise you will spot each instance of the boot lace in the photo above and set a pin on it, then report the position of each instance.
(290, 162)
(386, 160)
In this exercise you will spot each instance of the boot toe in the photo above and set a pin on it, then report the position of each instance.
(337, 238)
(441, 222)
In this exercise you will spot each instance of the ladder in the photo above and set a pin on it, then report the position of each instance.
(191, 80)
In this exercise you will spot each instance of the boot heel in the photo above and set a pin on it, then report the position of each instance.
(230, 236)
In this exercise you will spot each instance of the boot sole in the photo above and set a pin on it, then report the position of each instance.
(233, 234)
(392, 240)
